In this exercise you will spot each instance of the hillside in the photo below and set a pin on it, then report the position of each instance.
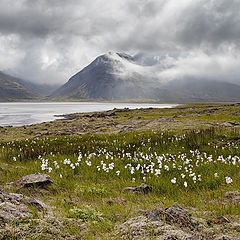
(195, 90)
(10, 90)
(41, 90)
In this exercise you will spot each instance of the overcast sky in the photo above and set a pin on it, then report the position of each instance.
(50, 40)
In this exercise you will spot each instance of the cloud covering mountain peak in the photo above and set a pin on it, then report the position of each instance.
(47, 41)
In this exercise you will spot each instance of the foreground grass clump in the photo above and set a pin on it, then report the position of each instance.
(90, 171)
(86, 214)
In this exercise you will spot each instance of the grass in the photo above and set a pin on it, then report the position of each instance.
(91, 170)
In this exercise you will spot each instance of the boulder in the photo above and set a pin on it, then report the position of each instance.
(143, 188)
(230, 124)
(173, 215)
(171, 223)
(31, 180)
(233, 196)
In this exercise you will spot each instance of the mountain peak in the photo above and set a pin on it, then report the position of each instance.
(114, 57)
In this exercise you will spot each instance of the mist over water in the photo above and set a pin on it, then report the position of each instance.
(19, 114)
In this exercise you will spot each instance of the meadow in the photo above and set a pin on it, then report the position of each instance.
(190, 167)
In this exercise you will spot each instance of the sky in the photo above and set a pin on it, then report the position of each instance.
(47, 41)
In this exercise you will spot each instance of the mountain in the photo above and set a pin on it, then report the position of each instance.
(10, 90)
(110, 76)
(118, 76)
(41, 90)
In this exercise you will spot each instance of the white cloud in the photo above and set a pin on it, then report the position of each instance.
(49, 40)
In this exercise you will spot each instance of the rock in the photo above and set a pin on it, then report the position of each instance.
(44, 133)
(143, 188)
(15, 207)
(236, 226)
(230, 124)
(117, 200)
(227, 238)
(10, 212)
(233, 196)
(171, 223)
(221, 220)
(121, 110)
(104, 114)
(34, 179)
(36, 203)
(173, 215)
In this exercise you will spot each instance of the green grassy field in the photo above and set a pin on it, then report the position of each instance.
(192, 160)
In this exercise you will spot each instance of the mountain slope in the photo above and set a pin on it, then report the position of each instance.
(119, 76)
(11, 90)
(203, 90)
(36, 89)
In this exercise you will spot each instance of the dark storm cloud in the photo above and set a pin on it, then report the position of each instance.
(34, 18)
(48, 40)
(214, 23)
(186, 25)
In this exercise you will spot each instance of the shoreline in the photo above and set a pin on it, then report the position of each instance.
(48, 111)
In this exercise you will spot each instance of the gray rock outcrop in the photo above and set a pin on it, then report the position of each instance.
(14, 207)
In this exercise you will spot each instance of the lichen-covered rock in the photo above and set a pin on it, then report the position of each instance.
(171, 223)
(37, 179)
(226, 237)
(15, 207)
(175, 223)
(230, 124)
(12, 212)
(172, 215)
(143, 228)
(233, 196)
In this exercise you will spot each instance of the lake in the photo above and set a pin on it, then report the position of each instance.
(19, 114)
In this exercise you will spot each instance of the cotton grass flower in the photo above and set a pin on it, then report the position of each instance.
(228, 180)
(174, 180)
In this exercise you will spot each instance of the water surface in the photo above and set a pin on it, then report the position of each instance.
(19, 114)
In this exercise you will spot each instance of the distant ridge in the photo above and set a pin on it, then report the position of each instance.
(41, 90)
(11, 90)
